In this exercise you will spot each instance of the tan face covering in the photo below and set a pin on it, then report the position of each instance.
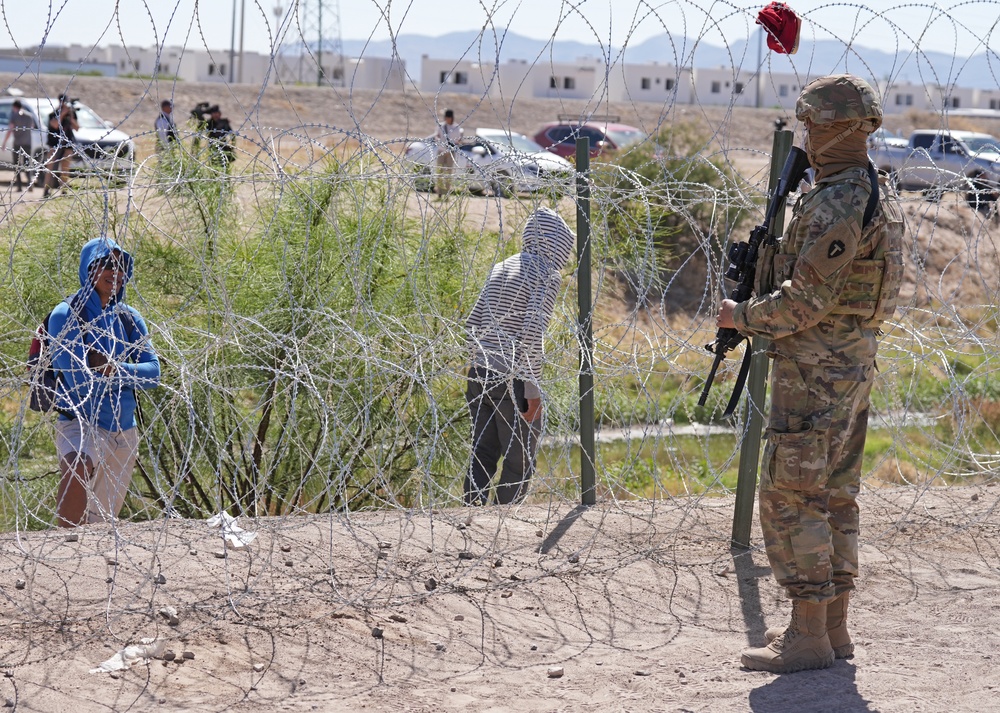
(835, 147)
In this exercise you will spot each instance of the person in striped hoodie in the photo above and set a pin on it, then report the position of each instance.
(504, 333)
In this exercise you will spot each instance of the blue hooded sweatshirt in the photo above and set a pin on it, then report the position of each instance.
(80, 324)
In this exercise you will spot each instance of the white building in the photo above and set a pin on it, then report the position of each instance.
(556, 80)
(780, 90)
(455, 76)
(948, 97)
(201, 65)
(900, 97)
(584, 79)
(986, 99)
(653, 82)
(730, 86)
(570, 80)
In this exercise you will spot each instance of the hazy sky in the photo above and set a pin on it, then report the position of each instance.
(954, 26)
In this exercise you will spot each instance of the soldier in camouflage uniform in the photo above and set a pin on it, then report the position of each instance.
(821, 294)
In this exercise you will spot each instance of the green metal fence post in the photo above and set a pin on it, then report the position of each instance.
(753, 410)
(588, 485)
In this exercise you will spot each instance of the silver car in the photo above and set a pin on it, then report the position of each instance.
(494, 161)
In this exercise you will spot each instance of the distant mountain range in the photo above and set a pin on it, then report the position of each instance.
(813, 58)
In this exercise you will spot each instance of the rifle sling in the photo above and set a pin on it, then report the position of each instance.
(741, 380)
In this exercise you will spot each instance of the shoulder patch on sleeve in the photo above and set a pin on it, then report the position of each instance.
(835, 250)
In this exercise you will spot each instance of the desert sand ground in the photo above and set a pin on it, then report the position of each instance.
(642, 606)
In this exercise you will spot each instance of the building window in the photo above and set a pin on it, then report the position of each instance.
(953, 102)
(668, 84)
(461, 78)
(646, 84)
(443, 78)
(899, 100)
(211, 70)
(165, 69)
(738, 88)
(222, 69)
(993, 103)
(553, 83)
(569, 83)
(716, 87)
(135, 65)
(909, 100)
(782, 90)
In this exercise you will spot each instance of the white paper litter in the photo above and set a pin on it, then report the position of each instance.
(123, 660)
(235, 536)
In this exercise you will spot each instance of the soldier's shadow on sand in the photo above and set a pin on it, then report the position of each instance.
(832, 690)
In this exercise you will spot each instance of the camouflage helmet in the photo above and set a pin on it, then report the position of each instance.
(839, 97)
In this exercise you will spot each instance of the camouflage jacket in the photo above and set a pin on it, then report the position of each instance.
(803, 277)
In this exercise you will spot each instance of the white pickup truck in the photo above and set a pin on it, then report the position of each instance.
(936, 160)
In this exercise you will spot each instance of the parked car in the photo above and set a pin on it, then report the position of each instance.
(934, 161)
(559, 137)
(882, 137)
(496, 161)
(101, 150)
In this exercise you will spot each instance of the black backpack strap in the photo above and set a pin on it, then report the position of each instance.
(872, 197)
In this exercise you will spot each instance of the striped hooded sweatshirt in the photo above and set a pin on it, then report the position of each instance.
(508, 322)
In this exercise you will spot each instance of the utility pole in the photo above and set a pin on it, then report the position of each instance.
(760, 64)
(232, 43)
(314, 14)
(243, 17)
(319, 43)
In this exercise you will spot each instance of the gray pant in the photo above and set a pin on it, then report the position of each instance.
(499, 430)
(22, 164)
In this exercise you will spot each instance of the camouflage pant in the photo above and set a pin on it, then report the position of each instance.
(811, 476)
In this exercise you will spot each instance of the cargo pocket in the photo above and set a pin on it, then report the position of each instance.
(798, 460)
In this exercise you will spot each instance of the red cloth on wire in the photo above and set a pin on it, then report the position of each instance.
(782, 26)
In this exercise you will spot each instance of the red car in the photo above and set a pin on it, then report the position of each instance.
(559, 137)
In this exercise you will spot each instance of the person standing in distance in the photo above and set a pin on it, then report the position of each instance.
(101, 354)
(822, 293)
(221, 137)
(64, 128)
(504, 333)
(166, 129)
(448, 135)
(19, 126)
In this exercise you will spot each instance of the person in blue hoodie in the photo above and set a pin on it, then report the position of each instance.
(101, 354)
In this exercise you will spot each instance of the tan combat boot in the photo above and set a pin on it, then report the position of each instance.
(803, 645)
(836, 627)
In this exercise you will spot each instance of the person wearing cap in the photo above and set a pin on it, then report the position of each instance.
(19, 126)
(166, 129)
(101, 353)
(221, 138)
(61, 138)
(504, 333)
(447, 137)
(822, 293)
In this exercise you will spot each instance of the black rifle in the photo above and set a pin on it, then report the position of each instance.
(743, 268)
